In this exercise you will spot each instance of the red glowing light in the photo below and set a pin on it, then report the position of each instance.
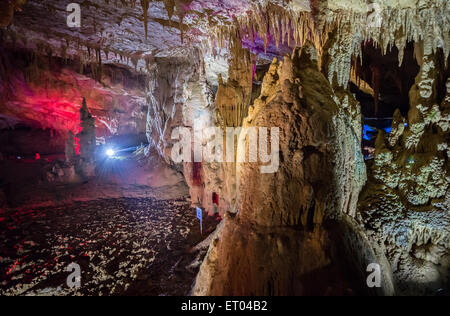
(13, 267)
(77, 142)
(77, 147)
(38, 156)
(53, 102)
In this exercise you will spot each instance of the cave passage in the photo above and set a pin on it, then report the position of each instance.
(382, 86)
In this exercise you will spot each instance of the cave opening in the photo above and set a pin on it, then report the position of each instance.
(381, 83)
(25, 142)
(27, 154)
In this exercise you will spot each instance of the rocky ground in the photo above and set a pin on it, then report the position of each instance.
(123, 246)
(415, 240)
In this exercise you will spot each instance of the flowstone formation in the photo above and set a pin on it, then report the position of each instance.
(232, 103)
(180, 96)
(414, 157)
(406, 204)
(233, 96)
(281, 242)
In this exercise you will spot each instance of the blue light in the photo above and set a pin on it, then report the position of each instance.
(110, 153)
(366, 130)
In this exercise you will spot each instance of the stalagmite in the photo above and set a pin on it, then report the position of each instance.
(87, 142)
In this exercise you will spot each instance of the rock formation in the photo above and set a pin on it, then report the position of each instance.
(410, 187)
(311, 192)
(87, 143)
(148, 68)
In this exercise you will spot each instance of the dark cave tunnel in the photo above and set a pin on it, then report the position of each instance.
(382, 86)
(389, 83)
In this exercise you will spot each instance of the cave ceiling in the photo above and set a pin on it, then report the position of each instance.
(172, 28)
(138, 32)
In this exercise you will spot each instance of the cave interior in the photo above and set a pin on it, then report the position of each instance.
(115, 151)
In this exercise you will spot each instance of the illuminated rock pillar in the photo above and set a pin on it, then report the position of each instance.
(87, 142)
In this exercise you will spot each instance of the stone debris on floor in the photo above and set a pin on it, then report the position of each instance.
(123, 247)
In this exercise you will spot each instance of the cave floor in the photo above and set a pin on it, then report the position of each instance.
(123, 247)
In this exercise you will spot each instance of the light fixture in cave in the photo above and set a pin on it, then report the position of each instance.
(110, 153)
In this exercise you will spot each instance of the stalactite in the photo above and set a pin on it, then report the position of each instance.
(399, 26)
(376, 84)
(280, 25)
(272, 23)
(145, 6)
(233, 97)
(99, 65)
